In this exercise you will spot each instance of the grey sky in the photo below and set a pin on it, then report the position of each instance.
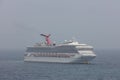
(95, 22)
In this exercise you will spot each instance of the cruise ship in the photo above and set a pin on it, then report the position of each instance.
(67, 52)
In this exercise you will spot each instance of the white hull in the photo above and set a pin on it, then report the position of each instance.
(69, 52)
(75, 59)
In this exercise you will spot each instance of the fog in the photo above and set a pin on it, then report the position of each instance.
(95, 22)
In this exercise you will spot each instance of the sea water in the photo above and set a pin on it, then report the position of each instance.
(106, 66)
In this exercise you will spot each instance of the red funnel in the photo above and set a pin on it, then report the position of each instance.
(47, 38)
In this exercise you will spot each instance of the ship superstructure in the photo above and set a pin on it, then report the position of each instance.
(67, 52)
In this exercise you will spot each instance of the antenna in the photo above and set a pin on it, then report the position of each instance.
(74, 39)
(47, 38)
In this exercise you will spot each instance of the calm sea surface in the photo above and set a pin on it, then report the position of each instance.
(106, 66)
